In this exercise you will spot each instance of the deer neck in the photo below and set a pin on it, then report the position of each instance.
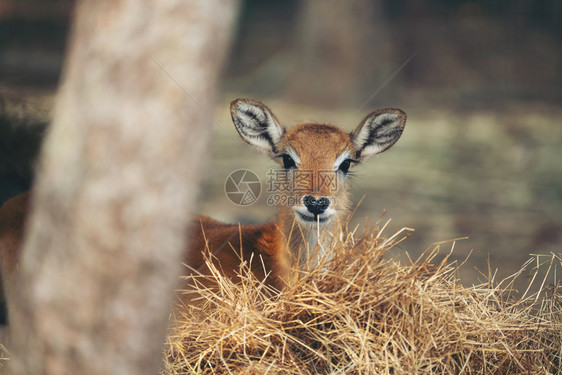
(305, 242)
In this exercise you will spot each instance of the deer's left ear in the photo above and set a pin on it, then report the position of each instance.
(378, 132)
(257, 125)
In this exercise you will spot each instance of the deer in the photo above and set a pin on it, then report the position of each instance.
(311, 153)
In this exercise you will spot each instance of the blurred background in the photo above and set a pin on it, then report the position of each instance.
(480, 80)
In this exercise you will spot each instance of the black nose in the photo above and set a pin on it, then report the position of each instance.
(316, 206)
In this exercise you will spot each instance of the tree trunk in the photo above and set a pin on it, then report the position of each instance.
(117, 180)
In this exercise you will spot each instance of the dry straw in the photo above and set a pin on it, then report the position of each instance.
(362, 311)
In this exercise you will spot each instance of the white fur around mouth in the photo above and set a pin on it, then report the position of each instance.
(306, 217)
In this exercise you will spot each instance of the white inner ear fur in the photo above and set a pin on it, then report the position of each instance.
(256, 125)
(378, 133)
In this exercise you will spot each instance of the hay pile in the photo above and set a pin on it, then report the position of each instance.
(364, 312)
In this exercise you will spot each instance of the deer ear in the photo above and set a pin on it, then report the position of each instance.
(378, 132)
(256, 124)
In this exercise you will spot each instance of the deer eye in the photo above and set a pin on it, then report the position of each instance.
(344, 166)
(288, 161)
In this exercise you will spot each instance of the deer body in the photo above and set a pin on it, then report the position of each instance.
(310, 153)
(230, 244)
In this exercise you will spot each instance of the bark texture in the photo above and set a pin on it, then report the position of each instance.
(117, 180)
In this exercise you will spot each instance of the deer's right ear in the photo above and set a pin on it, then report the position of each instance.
(378, 132)
(256, 124)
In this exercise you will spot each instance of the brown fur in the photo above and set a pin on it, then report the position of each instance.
(227, 248)
(13, 216)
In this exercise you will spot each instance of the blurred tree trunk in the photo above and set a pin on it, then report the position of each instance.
(343, 51)
(117, 180)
